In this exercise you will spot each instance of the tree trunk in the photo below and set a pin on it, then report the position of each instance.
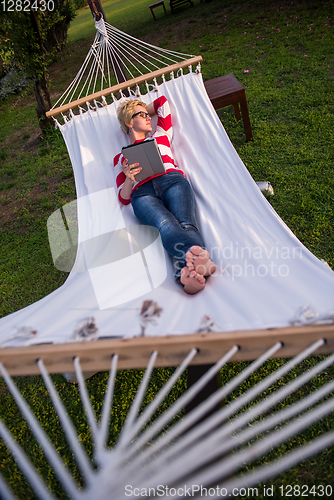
(40, 84)
(43, 102)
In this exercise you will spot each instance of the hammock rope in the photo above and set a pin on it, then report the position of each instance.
(125, 55)
(229, 440)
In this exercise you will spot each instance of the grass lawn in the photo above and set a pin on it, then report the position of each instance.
(283, 53)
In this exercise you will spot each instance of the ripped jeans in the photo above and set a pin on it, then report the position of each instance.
(167, 202)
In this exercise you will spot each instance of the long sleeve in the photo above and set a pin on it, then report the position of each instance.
(164, 131)
(120, 177)
(162, 109)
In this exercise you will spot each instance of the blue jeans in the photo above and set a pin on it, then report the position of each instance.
(167, 202)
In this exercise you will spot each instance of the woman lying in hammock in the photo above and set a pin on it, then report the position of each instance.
(165, 201)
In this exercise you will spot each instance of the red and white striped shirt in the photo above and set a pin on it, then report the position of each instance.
(163, 136)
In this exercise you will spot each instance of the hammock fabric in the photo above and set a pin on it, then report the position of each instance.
(265, 277)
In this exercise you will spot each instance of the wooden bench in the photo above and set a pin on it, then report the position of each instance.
(226, 90)
(176, 3)
(156, 4)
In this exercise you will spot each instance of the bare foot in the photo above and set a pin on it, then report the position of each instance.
(192, 281)
(198, 260)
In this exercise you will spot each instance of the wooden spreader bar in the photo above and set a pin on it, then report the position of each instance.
(124, 85)
(135, 352)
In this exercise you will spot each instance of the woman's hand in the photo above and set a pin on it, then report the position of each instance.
(130, 170)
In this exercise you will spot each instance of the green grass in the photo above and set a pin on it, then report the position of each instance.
(120, 13)
(283, 54)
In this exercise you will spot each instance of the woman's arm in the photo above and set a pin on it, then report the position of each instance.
(150, 109)
(125, 176)
(129, 171)
(162, 109)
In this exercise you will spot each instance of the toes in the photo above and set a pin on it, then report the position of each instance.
(192, 281)
(201, 278)
(198, 259)
(201, 269)
(196, 250)
(190, 262)
(188, 275)
(185, 271)
(190, 259)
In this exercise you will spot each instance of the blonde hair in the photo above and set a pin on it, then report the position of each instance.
(125, 111)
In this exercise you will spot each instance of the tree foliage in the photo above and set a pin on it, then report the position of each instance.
(33, 37)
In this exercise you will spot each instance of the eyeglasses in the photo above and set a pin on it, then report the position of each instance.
(142, 114)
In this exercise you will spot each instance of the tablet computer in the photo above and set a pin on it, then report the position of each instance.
(147, 154)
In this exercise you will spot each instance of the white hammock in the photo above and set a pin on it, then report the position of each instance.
(265, 278)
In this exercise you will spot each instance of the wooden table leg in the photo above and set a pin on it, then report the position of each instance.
(237, 111)
(225, 91)
(246, 120)
(195, 373)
